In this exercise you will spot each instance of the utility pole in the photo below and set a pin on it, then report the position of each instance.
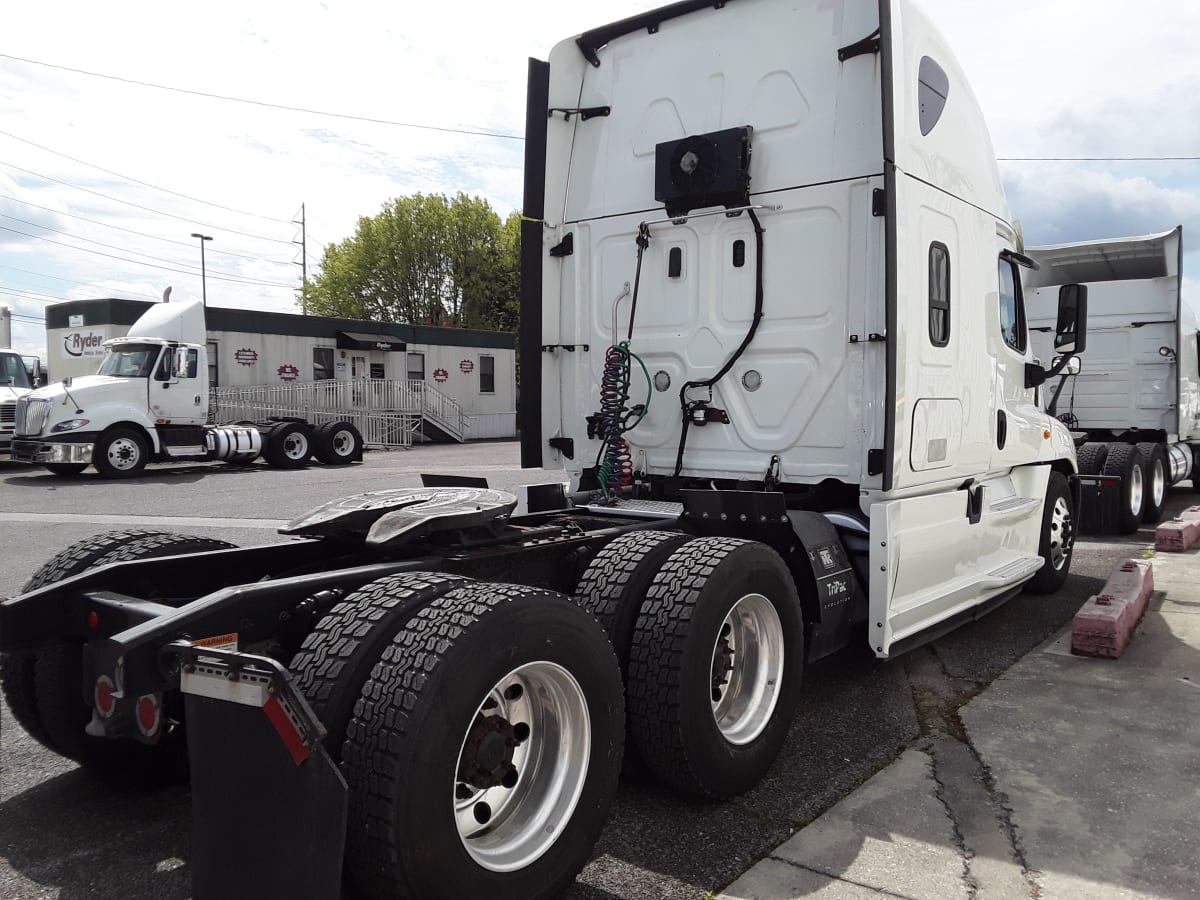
(203, 277)
(303, 242)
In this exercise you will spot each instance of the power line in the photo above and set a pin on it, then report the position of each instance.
(476, 132)
(29, 318)
(137, 262)
(154, 237)
(30, 295)
(194, 270)
(87, 284)
(1098, 158)
(143, 183)
(157, 212)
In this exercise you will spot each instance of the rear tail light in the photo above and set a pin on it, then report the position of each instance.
(149, 714)
(104, 699)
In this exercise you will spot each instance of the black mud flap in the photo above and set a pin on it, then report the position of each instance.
(268, 803)
(1100, 504)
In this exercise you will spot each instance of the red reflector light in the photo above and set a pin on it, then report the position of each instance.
(1108, 483)
(93, 620)
(147, 714)
(105, 702)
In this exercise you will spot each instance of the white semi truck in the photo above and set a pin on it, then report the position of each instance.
(149, 400)
(1137, 398)
(814, 424)
(18, 376)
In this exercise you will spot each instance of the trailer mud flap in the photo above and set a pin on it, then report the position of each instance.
(1100, 502)
(268, 803)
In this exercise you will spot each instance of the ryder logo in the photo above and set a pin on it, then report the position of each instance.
(81, 343)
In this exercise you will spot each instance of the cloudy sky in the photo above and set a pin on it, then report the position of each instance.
(102, 181)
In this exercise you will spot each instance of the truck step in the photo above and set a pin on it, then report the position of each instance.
(1104, 624)
(1180, 533)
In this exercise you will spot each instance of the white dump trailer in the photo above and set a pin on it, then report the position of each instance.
(1136, 397)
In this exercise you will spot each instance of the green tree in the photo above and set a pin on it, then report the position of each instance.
(424, 259)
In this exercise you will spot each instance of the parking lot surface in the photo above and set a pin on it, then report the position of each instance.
(62, 835)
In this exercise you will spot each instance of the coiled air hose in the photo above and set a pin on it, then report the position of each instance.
(616, 465)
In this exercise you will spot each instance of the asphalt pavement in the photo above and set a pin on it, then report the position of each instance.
(63, 836)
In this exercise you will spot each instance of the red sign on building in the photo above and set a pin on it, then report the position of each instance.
(288, 372)
(246, 356)
(440, 375)
(467, 366)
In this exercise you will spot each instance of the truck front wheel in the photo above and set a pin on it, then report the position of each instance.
(120, 453)
(488, 739)
(715, 666)
(1058, 538)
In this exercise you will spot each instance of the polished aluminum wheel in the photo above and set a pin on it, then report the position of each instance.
(1158, 482)
(522, 766)
(1136, 491)
(1062, 534)
(747, 669)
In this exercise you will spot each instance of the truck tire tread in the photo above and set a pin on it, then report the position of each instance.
(1121, 461)
(338, 655)
(399, 730)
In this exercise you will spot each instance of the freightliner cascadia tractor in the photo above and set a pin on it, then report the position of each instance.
(1137, 401)
(774, 333)
(149, 401)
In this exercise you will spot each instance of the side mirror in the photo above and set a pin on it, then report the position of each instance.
(1070, 367)
(1070, 334)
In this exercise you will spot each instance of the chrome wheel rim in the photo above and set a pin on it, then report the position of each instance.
(123, 454)
(1062, 534)
(747, 669)
(295, 446)
(522, 766)
(1136, 491)
(1158, 483)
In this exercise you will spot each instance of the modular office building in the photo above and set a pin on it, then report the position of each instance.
(248, 347)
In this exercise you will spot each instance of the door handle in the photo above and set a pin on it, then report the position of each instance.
(1001, 429)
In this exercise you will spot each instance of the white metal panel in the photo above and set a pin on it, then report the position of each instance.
(771, 64)
(490, 426)
(929, 563)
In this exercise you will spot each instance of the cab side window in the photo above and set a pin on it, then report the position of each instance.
(1012, 307)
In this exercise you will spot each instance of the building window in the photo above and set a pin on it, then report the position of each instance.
(416, 366)
(322, 363)
(487, 374)
(212, 364)
(939, 294)
(1012, 308)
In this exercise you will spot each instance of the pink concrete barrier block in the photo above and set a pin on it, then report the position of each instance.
(1180, 533)
(1104, 625)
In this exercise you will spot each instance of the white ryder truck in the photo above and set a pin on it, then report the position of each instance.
(773, 326)
(149, 401)
(1138, 397)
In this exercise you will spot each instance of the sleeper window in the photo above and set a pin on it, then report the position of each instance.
(939, 294)
(1012, 310)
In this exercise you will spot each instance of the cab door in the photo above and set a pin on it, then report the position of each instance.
(1016, 425)
(175, 391)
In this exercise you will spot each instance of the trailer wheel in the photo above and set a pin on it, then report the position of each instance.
(43, 689)
(1155, 457)
(338, 443)
(336, 658)
(1058, 538)
(489, 739)
(1091, 457)
(287, 445)
(715, 666)
(120, 453)
(65, 470)
(1125, 461)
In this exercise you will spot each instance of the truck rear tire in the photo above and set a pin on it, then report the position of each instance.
(1091, 457)
(338, 443)
(1125, 461)
(1058, 538)
(1154, 456)
(715, 666)
(43, 689)
(121, 453)
(489, 739)
(336, 658)
(287, 445)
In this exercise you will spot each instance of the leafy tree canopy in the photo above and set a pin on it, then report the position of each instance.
(425, 259)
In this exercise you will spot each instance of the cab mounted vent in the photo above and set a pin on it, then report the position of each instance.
(704, 170)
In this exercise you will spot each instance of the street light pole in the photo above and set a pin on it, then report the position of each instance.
(203, 279)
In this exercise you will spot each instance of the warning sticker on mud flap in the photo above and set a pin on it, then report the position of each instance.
(835, 581)
(218, 642)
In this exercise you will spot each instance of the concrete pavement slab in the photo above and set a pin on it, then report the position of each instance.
(892, 835)
(774, 879)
